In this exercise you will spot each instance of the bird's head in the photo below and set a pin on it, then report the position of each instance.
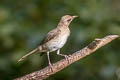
(67, 19)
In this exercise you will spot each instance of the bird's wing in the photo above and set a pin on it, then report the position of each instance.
(51, 35)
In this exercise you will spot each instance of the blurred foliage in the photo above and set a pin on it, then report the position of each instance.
(23, 23)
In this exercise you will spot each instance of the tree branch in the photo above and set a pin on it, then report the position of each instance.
(46, 72)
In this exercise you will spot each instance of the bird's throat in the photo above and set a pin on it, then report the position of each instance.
(63, 25)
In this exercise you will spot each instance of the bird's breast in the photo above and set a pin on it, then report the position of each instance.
(62, 40)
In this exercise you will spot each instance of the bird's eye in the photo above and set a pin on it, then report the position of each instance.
(68, 20)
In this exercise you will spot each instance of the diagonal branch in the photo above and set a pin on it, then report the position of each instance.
(46, 72)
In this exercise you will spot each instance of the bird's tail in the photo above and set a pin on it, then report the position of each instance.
(30, 53)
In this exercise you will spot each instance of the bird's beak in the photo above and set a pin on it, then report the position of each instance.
(74, 16)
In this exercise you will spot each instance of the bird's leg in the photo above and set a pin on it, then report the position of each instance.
(66, 56)
(49, 61)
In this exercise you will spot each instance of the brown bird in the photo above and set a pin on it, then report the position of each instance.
(55, 39)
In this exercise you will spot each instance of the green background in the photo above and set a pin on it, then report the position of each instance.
(24, 23)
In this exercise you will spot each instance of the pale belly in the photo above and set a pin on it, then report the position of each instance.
(56, 43)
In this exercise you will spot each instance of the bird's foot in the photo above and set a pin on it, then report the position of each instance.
(67, 58)
(51, 67)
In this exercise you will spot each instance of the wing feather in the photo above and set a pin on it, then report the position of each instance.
(51, 35)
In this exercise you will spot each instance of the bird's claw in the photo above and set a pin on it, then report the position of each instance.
(51, 67)
(67, 58)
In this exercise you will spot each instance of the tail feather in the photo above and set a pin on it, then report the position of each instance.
(30, 53)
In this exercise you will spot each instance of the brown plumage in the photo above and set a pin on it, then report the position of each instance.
(55, 39)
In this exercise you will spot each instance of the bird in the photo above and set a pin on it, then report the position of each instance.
(54, 40)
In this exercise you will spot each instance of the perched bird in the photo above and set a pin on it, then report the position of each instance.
(55, 39)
